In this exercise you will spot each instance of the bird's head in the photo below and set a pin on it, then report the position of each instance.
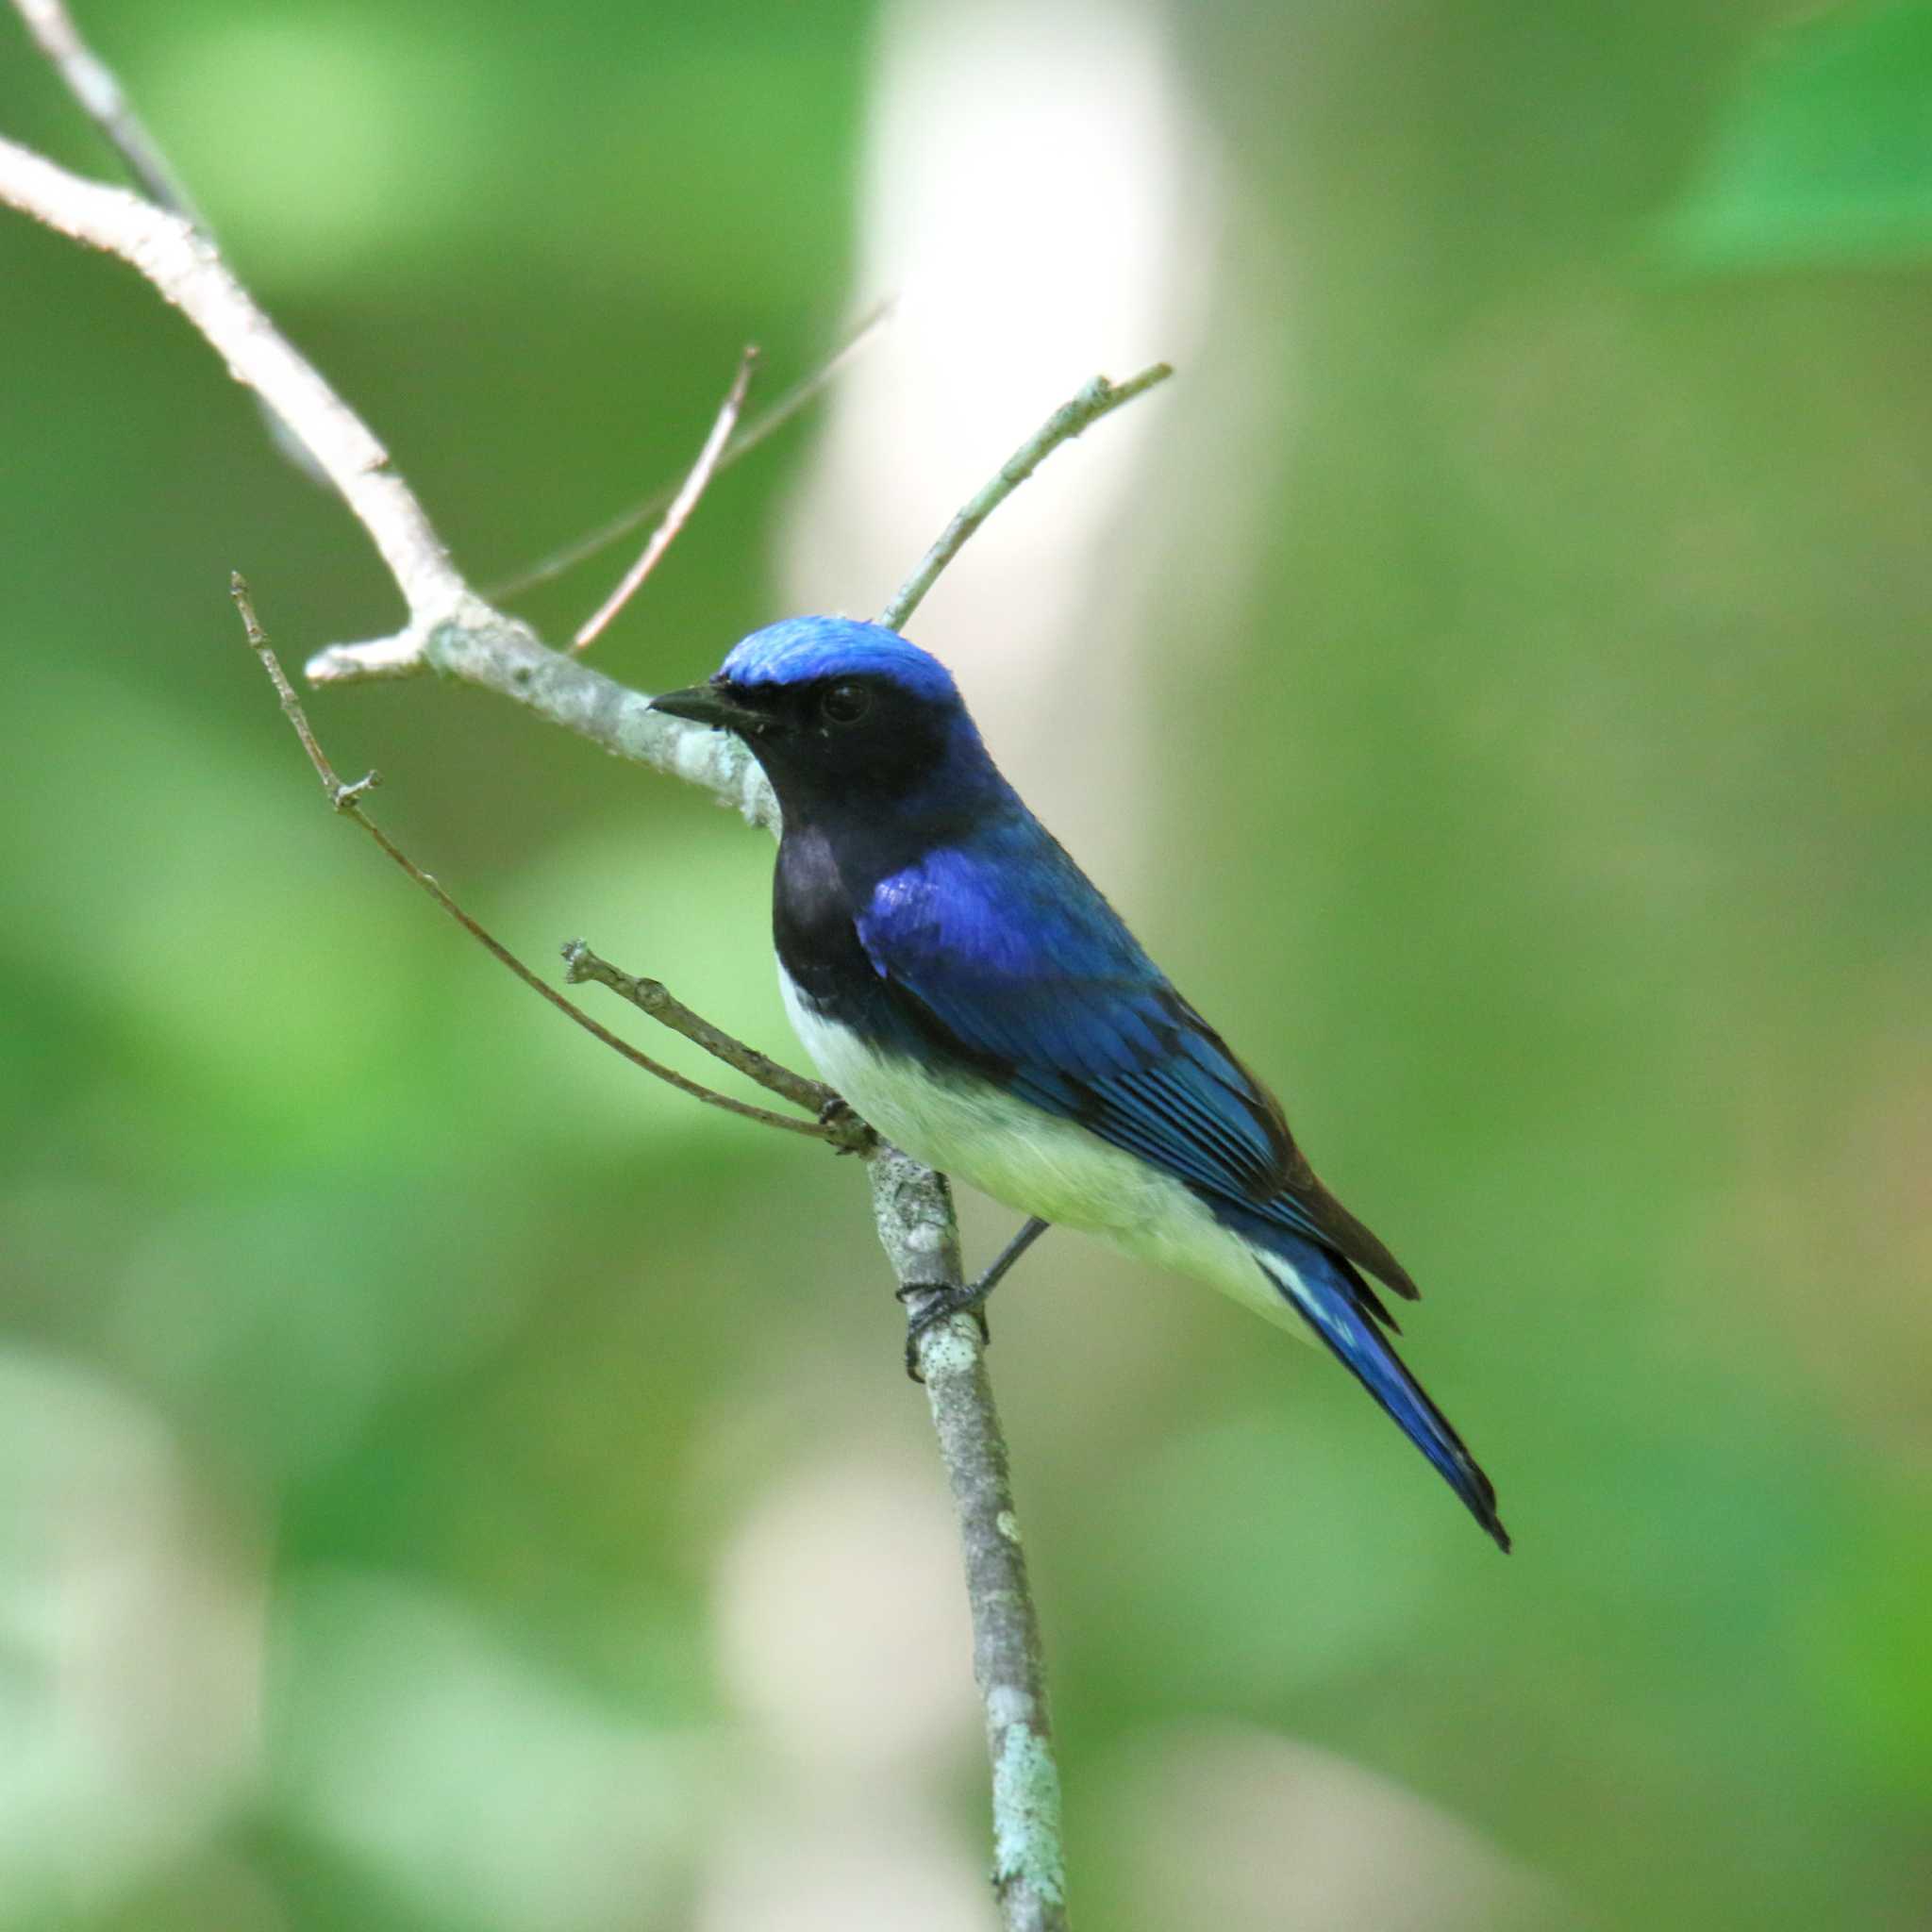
(842, 714)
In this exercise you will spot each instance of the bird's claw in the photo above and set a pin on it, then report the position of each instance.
(843, 1115)
(947, 1299)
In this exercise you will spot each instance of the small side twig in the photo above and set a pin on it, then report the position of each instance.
(654, 998)
(505, 657)
(450, 628)
(348, 799)
(746, 439)
(1099, 398)
(681, 505)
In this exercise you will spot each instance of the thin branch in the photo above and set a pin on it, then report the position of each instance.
(1099, 398)
(348, 799)
(189, 272)
(97, 89)
(450, 628)
(453, 630)
(506, 659)
(654, 998)
(93, 85)
(681, 505)
(502, 656)
(913, 1207)
(747, 438)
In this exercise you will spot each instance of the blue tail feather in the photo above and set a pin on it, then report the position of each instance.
(1325, 1290)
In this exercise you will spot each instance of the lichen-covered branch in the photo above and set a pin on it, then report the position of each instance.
(452, 630)
(348, 799)
(188, 270)
(913, 1207)
(500, 655)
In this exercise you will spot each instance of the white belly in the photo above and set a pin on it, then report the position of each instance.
(971, 1129)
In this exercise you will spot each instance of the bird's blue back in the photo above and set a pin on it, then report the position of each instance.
(1002, 938)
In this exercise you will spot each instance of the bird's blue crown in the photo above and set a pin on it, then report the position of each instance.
(802, 649)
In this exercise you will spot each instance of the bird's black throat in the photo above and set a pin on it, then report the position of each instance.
(863, 799)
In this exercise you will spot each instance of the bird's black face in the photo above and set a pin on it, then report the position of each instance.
(838, 744)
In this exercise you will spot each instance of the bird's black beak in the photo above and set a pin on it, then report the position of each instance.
(710, 703)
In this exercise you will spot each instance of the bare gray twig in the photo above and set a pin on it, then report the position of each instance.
(93, 83)
(453, 630)
(1099, 398)
(654, 998)
(188, 270)
(348, 799)
(747, 438)
(681, 505)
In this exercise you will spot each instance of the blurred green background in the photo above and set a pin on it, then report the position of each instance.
(447, 1481)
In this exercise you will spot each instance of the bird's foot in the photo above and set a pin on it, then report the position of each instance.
(947, 1299)
(843, 1115)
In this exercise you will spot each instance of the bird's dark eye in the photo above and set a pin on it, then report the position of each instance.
(845, 704)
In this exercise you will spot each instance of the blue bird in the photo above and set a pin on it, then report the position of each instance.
(965, 986)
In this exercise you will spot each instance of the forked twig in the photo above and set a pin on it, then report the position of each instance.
(93, 85)
(747, 437)
(451, 629)
(681, 505)
(348, 799)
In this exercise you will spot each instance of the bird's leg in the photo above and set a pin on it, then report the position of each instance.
(949, 1301)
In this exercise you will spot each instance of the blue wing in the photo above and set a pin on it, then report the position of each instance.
(1007, 953)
